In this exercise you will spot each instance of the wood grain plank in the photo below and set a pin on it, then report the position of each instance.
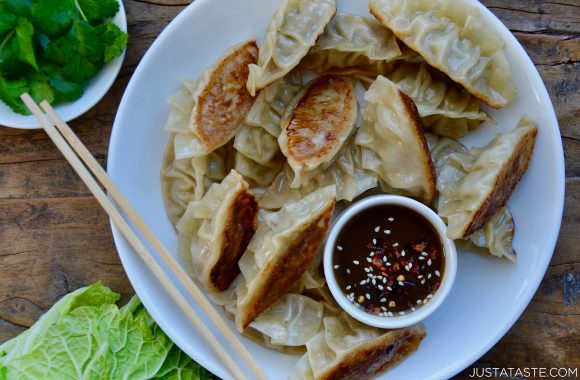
(537, 15)
(54, 237)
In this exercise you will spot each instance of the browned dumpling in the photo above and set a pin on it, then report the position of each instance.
(347, 349)
(282, 249)
(316, 124)
(489, 177)
(220, 103)
(215, 231)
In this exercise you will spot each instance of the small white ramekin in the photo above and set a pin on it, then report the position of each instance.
(397, 321)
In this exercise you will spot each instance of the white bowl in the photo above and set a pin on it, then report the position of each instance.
(95, 89)
(489, 293)
(440, 294)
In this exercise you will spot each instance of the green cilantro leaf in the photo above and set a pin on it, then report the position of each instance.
(114, 39)
(10, 92)
(94, 10)
(7, 19)
(24, 32)
(40, 88)
(64, 90)
(53, 17)
(80, 52)
(19, 7)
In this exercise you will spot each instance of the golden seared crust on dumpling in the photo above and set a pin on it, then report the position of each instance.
(376, 355)
(282, 249)
(509, 175)
(241, 222)
(287, 269)
(222, 99)
(318, 121)
(475, 185)
(215, 231)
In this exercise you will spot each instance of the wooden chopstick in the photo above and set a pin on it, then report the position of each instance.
(166, 256)
(137, 244)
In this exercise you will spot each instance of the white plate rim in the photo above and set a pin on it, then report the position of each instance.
(102, 82)
(449, 370)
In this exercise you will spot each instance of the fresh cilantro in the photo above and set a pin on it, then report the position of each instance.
(24, 31)
(94, 10)
(40, 88)
(80, 52)
(10, 92)
(51, 48)
(114, 40)
(53, 17)
(18, 7)
(64, 90)
(7, 20)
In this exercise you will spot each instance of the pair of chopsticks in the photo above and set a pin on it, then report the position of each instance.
(62, 132)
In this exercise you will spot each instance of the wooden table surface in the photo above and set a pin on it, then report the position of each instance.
(54, 238)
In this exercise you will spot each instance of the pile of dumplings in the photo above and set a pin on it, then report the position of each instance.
(259, 156)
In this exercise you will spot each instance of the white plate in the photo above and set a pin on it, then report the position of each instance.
(95, 89)
(489, 294)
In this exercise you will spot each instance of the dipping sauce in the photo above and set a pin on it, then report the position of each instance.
(388, 260)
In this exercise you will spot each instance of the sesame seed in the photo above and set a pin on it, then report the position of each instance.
(367, 270)
(368, 296)
(355, 262)
(374, 241)
(369, 260)
(413, 309)
(352, 295)
(370, 275)
(421, 258)
(383, 300)
(371, 254)
(377, 228)
(401, 313)
(383, 308)
(401, 284)
(429, 262)
(389, 288)
(385, 258)
(348, 287)
(420, 276)
(423, 253)
(423, 282)
(391, 219)
(430, 296)
(419, 302)
(425, 300)
(390, 314)
(336, 266)
(348, 271)
(363, 282)
(396, 245)
(380, 287)
(429, 276)
(403, 253)
(407, 268)
(437, 273)
(384, 280)
(388, 232)
(374, 281)
(339, 247)
(410, 265)
(388, 264)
